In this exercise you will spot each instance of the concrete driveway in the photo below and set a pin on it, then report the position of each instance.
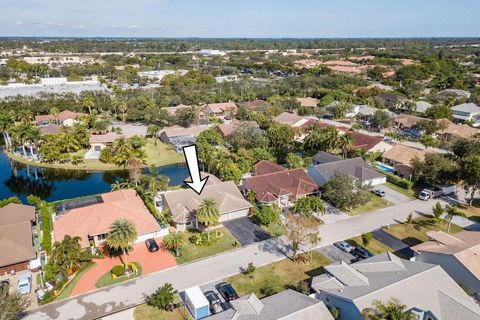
(335, 254)
(393, 196)
(246, 231)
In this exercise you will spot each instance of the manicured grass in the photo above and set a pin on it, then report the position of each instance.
(409, 193)
(107, 280)
(69, 288)
(416, 232)
(161, 154)
(192, 252)
(279, 275)
(374, 203)
(146, 312)
(473, 211)
(375, 246)
(275, 229)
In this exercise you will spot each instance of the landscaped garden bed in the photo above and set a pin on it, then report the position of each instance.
(118, 274)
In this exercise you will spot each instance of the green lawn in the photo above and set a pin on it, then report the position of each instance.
(67, 291)
(416, 232)
(409, 193)
(473, 211)
(275, 229)
(161, 154)
(192, 252)
(146, 312)
(374, 203)
(107, 280)
(280, 275)
(375, 246)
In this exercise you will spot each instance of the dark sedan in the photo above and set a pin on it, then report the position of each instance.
(227, 291)
(362, 253)
(152, 245)
(214, 301)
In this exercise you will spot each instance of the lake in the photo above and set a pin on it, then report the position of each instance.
(20, 180)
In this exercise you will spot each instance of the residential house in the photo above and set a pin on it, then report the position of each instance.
(406, 121)
(355, 109)
(422, 106)
(227, 129)
(298, 123)
(222, 111)
(184, 203)
(309, 103)
(456, 93)
(327, 167)
(449, 130)
(200, 118)
(180, 137)
(458, 255)
(17, 252)
(92, 222)
(285, 305)
(280, 186)
(265, 167)
(466, 112)
(98, 142)
(65, 118)
(401, 156)
(368, 143)
(425, 289)
(392, 100)
(256, 105)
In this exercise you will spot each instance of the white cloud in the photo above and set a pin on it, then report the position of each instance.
(133, 26)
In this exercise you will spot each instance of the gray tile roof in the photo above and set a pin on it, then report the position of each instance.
(325, 157)
(415, 284)
(285, 305)
(356, 168)
(467, 107)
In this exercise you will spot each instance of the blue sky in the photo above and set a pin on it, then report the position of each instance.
(241, 18)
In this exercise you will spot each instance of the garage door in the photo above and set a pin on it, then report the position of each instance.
(234, 215)
(144, 237)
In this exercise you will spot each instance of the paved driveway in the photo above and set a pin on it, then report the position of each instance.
(246, 231)
(335, 254)
(393, 242)
(393, 196)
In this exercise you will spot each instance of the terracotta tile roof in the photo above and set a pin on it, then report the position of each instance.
(291, 119)
(256, 104)
(67, 114)
(407, 120)
(221, 107)
(110, 137)
(265, 167)
(345, 63)
(464, 246)
(268, 187)
(364, 141)
(458, 130)
(227, 129)
(177, 131)
(44, 117)
(50, 129)
(97, 218)
(184, 203)
(404, 155)
(307, 102)
(16, 244)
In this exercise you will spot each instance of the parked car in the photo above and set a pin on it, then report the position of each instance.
(379, 192)
(362, 253)
(426, 194)
(24, 283)
(214, 301)
(344, 246)
(227, 291)
(152, 245)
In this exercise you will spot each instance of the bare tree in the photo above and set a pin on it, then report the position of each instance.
(301, 230)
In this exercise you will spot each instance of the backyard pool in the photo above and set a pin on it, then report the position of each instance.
(384, 167)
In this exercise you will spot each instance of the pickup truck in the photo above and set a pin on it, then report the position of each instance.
(426, 194)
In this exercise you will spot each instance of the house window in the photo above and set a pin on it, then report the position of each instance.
(102, 237)
(189, 224)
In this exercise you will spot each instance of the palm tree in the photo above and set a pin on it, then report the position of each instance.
(68, 253)
(154, 181)
(452, 212)
(121, 185)
(6, 122)
(122, 107)
(25, 132)
(174, 242)
(121, 236)
(392, 309)
(313, 139)
(345, 143)
(68, 143)
(208, 213)
(152, 130)
(88, 103)
(438, 211)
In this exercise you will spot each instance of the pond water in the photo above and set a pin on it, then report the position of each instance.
(52, 184)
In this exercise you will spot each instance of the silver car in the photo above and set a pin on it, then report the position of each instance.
(344, 246)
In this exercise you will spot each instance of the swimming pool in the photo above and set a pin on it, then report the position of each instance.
(384, 167)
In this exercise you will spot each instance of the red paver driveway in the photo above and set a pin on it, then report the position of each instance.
(150, 262)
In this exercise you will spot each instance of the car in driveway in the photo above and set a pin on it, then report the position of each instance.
(344, 246)
(214, 301)
(226, 291)
(362, 253)
(379, 192)
(24, 283)
(152, 245)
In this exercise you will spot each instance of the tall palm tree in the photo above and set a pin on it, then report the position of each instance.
(121, 236)
(154, 181)
(25, 132)
(452, 212)
(438, 211)
(208, 213)
(345, 143)
(314, 139)
(392, 309)
(6, 122)
(174, 242)
(152, 130)
(88, 102)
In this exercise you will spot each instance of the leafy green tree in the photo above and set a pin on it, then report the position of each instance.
(210, 136)
(470, 174)
(439, 111)
(208, 213)
(345, 193)
(121, 236)
(294, 161)
(174, 242)
(186, 116)
(452, 212)
(280, 139)
(12, 305)
(381, 119)
(162, 297)
(366, 238)
(266, 215)
(391, 309)
(308, 205)
(68, 253)
(435, 169)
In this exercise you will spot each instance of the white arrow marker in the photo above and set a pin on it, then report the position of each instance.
(196, 183)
